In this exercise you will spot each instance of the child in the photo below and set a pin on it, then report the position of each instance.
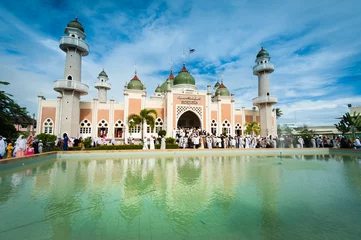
(10, 150)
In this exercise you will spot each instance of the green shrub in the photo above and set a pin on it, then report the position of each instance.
(45, 138)
(74, 148)
(87, 142)
(170, 140)
(162, 133)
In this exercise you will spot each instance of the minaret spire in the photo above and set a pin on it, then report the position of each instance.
(135, 68)
(184, 58)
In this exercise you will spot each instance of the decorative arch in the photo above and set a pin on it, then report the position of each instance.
(238, 129)
(103, 127)
(189, 119)
(118, 128)
(85, 127)
(69, 77)
(214, 127)
(48, 126)
(226, 127)
(158, 125)
(197, 110)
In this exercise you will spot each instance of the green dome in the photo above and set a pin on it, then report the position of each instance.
(262, 53)
(76, 24)
(135, 83)
(158, 89)
(184, 77)
(163, 87)
(222, 91)
(216, 85)
(103, 74)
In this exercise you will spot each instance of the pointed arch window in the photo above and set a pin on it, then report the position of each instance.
(214, 127)
(226, 127)
(158, 125)
(85, 127)
(48, 126)
(103, 128)
(118, 129)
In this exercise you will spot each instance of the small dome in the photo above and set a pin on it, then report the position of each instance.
(76, 24)
(262, 53)
(222, 90)
(216, 85)
(158, 89)
(184, 77)
(135, 83)
(163, 87)
(103, 74)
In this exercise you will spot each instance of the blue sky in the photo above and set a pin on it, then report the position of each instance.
(315, 46)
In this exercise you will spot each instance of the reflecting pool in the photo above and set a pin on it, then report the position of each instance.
(210, 197)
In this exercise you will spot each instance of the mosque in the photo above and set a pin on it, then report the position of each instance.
(178, 101)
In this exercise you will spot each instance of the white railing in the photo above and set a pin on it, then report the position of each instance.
(72, 41)
(264, 99)
(263, 66)
(103, 84)
(60, 85)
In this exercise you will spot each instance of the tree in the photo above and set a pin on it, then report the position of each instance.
(278, 112)
(350, 123)
(253, 128)
(10, 113)
(146, 116)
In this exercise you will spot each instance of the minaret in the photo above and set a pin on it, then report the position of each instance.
(265, 100)
(103, 86)
(71, 87)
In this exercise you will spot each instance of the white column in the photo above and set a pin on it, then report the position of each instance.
(58, 117)
(233, 124)
(126, 113)
(243, 122)
(94, 118)
(111, 119)
(208, 115)
(170, 114)
(40, 108)
(219, 117)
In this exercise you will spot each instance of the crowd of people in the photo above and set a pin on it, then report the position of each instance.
(21, 147)
(185, 138)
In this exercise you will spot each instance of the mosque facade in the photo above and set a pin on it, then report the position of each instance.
(178, 101)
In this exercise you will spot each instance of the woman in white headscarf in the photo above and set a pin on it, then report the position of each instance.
(20, 146)
(162, 145)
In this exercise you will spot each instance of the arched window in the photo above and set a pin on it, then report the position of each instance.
(226, 127)
(214, 127)
(102, 128)
(158, 125)
(70, 77)
(118, 129)
(135, 129)
(85, 127)
(48, 126)
(238, 129)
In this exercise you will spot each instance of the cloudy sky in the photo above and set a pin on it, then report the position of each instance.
(315, 47)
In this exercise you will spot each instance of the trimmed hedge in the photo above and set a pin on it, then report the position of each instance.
(122, 147)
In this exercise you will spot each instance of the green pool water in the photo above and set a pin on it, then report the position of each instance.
(210, 197)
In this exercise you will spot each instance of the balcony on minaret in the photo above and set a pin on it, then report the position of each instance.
(72, 42)
(263, 67)
(61, 85)
(103, 84)
(264, 99)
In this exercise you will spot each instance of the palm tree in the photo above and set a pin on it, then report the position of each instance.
(146, 116)
(350, 123)
(278, 112)
(253, 128)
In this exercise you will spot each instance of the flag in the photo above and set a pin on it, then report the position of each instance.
(191, 51)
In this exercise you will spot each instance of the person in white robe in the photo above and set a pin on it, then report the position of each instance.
(300, 141)
(2, 147)
(241, 143)
(209, 142)
(151, 143)
(40, 146)
(247, 142)
(145, 144)
(162, 143)
(313, 141)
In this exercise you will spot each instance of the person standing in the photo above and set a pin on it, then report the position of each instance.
(40, 146)
(2, 147)
(162, 144)
(145, 144)
(300, 141)
(66, 139)
(10, 148)
(357, 143)
(151, 143)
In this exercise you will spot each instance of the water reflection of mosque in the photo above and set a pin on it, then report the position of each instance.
(181, 190)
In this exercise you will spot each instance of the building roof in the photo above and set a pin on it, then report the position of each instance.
(262, 53)
(184, 77)
(103, 74)
(76, 24)
(222, 90)
(158, 89)
(135, 83)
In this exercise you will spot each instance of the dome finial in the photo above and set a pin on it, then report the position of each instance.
(135, 68)
(171, 64)
(76, 16)
(184, 58)
(222, 78)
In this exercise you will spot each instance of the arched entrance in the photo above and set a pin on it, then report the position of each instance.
(189, 120)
